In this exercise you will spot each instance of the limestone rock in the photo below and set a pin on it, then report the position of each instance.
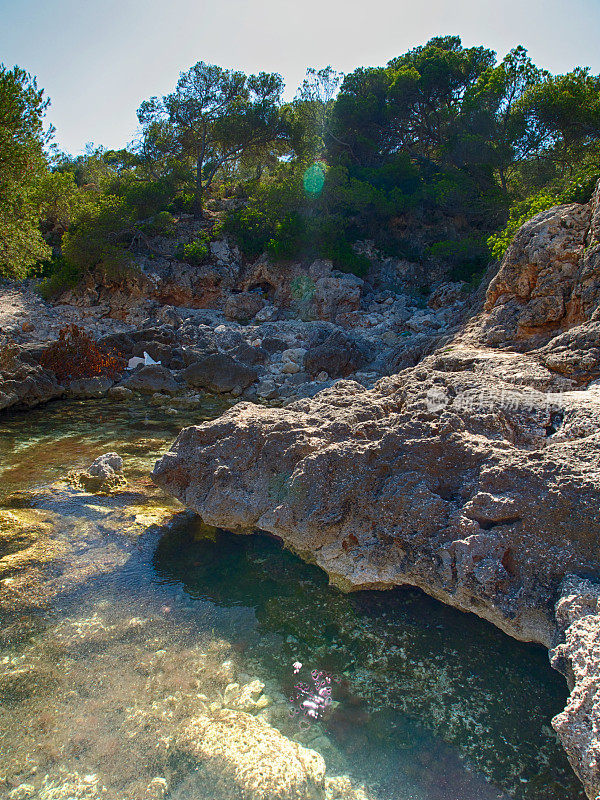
(578, 657)
(549, 279)
(243, 306)
(151, 379)
(338, 355)
(468, 484)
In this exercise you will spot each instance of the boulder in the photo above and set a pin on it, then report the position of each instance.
(219, 373)
(337, 293)
(85, 388)
(151, 379)
(338, 355)
(243, 306)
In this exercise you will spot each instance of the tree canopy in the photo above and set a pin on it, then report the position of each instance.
(437, 155)
(22, 164)
(213, 118)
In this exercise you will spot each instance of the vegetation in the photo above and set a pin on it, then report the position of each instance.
(22, 164)
(76, 355)
(439, 155)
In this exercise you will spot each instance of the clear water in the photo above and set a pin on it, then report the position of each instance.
(122, 617)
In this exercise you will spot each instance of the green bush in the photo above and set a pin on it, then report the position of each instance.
(148, 198)
(250, 229)
(161, 224)
(61, 276)
(194, 253)
(289, 237)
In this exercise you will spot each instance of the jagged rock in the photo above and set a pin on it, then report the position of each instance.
(337, 293)
(245, 757)
(104, 475)
(577, 656)
(248, 354)
(27, 386)
(549, 280)
(219, 373)
(243, 306)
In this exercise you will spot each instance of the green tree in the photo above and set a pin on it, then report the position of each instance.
(213, 117)
(564, 110)
(22, 164)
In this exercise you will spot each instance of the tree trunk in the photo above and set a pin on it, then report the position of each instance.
(198, 204)
(503, 181)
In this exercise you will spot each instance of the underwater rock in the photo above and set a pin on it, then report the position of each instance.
(243, 756)
(102, 476)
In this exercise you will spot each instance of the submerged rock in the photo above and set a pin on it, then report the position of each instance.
(103, 475)
(245, 757)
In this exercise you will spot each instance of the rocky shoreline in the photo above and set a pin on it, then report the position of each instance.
(420, 443)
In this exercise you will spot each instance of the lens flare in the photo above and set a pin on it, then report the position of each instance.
(314, 179)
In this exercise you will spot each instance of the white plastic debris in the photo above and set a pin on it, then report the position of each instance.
(149, 360)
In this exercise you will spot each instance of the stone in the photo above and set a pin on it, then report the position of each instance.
(151, 379)
(106, 466)
(295, 354)
(120, 393)
(243, 756)
(219, 373)
(290, 367)
(243, 306)
(337, 293)
(103, 476)
(85, 388)
(338, 355)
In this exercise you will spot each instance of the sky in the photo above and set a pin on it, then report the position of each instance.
(98, 59)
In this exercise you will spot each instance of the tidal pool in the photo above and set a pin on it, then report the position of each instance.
(123, 617)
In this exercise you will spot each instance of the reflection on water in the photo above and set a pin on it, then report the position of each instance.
(139, 628)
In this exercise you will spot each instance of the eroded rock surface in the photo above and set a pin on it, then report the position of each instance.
(577, 656)
(481, 491)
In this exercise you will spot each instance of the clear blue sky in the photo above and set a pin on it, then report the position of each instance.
(98, 59)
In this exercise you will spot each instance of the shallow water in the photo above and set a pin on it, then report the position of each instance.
(131, 617)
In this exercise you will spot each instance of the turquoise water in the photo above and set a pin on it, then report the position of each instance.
(143, 612)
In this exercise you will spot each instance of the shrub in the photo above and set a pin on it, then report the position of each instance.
(161, 224)
(61, 276)
(194, 253)
(288, 238)
(76, 355)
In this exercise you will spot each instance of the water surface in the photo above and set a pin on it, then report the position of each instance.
(130, 617)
